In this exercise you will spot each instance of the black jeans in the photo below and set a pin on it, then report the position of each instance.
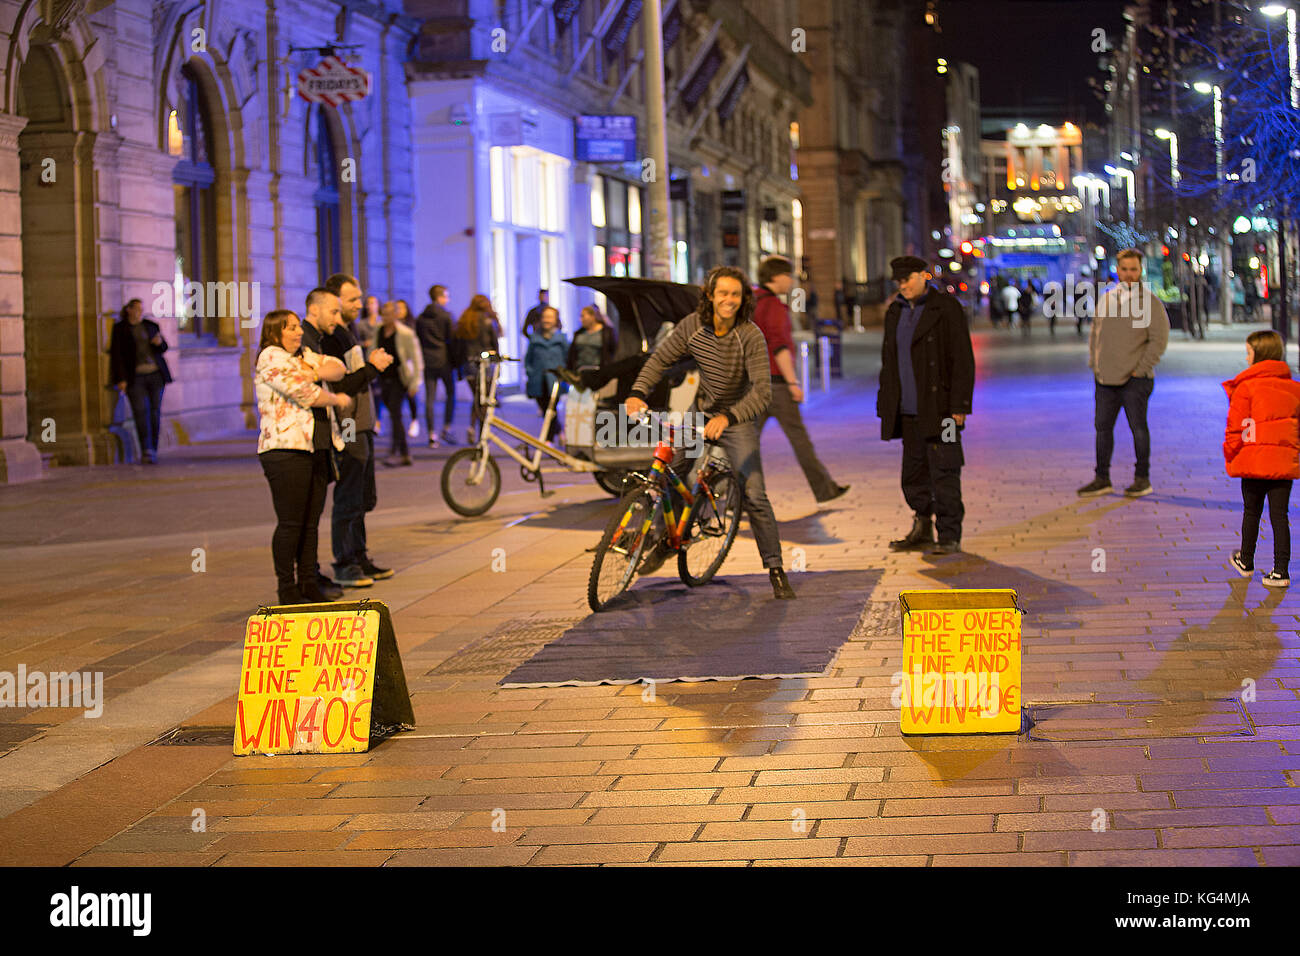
(145, 395)
(394, 398)
(432, 376)
(931, 478)
(1278, 493)
(542, 405)
(354, 495)
(298, 480)
(786, 412)
(1132, 396)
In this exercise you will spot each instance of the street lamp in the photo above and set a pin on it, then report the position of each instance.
(1127, 175)
(1163, 133)
(1276, 10)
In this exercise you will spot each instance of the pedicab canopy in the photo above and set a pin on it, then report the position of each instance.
(639, 306)
(961, 662)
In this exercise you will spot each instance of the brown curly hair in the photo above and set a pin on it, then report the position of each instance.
(746, 311)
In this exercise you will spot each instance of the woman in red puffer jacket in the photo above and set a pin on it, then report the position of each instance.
(1262, 447)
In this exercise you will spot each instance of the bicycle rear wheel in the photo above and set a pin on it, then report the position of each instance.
(712, 529)
(470, 485)
(626, 538)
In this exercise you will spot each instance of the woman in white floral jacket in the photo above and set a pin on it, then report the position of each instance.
(294, 448)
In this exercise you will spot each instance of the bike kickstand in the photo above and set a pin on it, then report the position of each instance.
(541, 485)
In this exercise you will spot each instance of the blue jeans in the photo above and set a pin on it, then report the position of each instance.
(1132, 396)
(145, 394)
(354, 495)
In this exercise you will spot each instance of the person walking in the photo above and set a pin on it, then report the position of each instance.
(547, 348)
(137, 366)
(775, 279)
(1130, 331)
(534, 315)
(927, 382)
(478, 331)
(1026, 306)
(441, 352)
(354, 492)
(293, 447)
(364, 328)
(407, 320)
(594, 344)
(1010, 301)
(401, 379)
(1260, 446)
(735, 390)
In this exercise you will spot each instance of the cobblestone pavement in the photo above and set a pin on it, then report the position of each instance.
(1143, 751)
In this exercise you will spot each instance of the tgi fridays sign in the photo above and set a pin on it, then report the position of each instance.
(333, 82)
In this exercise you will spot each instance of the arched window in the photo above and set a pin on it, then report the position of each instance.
(189, 135)
(328, 257)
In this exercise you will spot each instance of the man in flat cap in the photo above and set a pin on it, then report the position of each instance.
(927, 377)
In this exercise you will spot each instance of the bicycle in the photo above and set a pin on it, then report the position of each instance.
(471, 480)
(645, 520)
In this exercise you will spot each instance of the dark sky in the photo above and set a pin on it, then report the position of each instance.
(1034, 56)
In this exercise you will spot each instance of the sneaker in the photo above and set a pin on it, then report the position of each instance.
(353, 577)
(447, 436)
(1244, 568)
(433, 440)
(1098, 486)
(406, 460)
(373, 570)
(414, 430)
(1276, 579)
(1140, 488)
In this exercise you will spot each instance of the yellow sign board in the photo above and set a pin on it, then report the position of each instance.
(306, 682)
(961, 662)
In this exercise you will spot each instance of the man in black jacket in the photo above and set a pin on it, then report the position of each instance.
(927, 377)
(441, 350)
(324, 319)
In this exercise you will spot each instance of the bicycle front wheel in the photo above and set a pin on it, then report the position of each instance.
(471, 482)
(626, 538)
(712, 529)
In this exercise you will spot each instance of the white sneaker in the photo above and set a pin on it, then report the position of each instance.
(414, 430)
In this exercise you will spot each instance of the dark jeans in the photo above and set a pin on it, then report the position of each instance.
(145, 395)
(1132, 396)
(786, 412)
(298, 480)
(432, 376)
(394, 397)
(1253, 493)
(354, 495)
(931, 478)
(542, 405)
(740, 442)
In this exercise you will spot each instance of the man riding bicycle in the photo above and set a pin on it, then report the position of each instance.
(735, 390)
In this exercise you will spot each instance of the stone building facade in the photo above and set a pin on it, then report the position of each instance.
(148, 145)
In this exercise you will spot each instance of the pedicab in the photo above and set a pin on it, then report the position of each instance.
(471, 478)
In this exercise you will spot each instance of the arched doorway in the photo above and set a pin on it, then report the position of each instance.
(67, 403)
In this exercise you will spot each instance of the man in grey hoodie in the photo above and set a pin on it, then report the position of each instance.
(1129, 334)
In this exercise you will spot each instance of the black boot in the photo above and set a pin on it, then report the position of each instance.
(781, 589)
(921, 535)
(289, 595)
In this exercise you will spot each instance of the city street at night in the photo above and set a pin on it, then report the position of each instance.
(510, 439)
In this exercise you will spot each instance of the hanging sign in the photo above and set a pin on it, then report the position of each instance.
(333, 83)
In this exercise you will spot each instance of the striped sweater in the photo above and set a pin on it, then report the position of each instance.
(734, 379)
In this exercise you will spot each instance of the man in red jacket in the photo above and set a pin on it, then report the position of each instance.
(775, 278)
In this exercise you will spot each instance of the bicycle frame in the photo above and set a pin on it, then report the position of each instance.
(664, 479)
(487, 396)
